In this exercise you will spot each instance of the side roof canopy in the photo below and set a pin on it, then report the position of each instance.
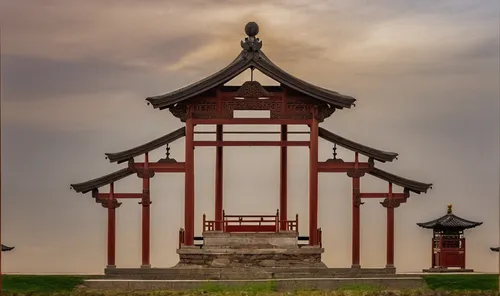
(449, 222)
(251, 57)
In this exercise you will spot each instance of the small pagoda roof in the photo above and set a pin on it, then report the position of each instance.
(497, 249)
(449, 221)
(379, 155)
(123, 156)
(254, 58)
(6, 248)
(87, 186)
(414, 186)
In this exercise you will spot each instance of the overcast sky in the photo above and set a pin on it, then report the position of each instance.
(75, 75)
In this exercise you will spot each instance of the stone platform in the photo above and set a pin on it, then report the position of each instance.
(289, 284)
(247, 256)
(229, 250)
(447, 270)
(245, 273)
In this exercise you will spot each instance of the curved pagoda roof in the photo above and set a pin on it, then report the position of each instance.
(449, 221)
(6, 249)
(251, 57)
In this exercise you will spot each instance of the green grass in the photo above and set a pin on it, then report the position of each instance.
(462, 282)
(40, 283)
(66, 285)
(252, 288)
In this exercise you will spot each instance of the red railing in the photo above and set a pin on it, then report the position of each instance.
(250, 223)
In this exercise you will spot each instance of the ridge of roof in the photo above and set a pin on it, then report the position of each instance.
(251, 57)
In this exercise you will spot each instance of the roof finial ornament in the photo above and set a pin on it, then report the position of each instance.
(251, 43)
(168, 151)
(450, 211)
(334, 150)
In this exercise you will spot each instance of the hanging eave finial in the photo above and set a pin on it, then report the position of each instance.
(167, 158)
(168, 151)
(251, 43)
(450, 211)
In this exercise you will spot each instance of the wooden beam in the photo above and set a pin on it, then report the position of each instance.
(313, 184)
(252, 132)
(219, 179)
(189, 186)
(342, 167)
(267, 121)
(169, 167)
(146, 214)
(111, 227)
(283, 179)
(251, 143)
(120, 195)
(383, 195)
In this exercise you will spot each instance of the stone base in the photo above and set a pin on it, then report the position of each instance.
(231, 257)
(249, 250)
(260, 273)
(447, 270)
(289, 284)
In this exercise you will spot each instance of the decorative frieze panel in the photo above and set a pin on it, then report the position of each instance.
(223, 107)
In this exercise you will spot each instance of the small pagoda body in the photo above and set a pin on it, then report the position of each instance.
(448, 242)
(265, 244)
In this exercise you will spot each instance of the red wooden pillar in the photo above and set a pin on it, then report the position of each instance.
(356, 204)
(313, 182)
(283, 178)
(189, 184)
(390, 229)
(146, 202)
(219, 177)
(111, 227)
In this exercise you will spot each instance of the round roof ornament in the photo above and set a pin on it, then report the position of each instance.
(252, 29)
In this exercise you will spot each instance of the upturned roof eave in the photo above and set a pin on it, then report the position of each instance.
(242, 62)
(382, 156)
(443, 222)
(414, 186)
(87, 186)
(125, 155)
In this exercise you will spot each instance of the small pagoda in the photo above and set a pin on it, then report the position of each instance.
(448, 242)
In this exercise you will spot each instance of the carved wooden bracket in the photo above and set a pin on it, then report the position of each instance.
(391, 203)
(252, 90)
(356, 198)
(355, 173)
(105, 203)
(145, 202)
(145, 174)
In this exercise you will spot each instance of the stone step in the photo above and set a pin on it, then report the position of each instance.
(180, 273)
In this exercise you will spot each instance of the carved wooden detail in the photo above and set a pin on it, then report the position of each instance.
(252, 96)
(355, 173)
(143, 174)
(356, 198)
(108, 204)
(145, 202)
(392, 202)
(252, 90)
(179, 111)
